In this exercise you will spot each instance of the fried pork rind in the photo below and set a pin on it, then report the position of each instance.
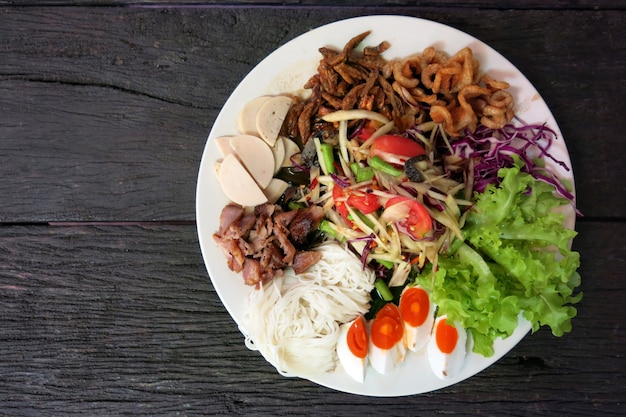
(427, 86)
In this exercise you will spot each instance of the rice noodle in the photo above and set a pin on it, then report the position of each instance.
(294, 320)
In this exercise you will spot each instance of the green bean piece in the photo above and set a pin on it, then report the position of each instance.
(377, 163)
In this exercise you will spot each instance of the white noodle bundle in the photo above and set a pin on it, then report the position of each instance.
(294, 320)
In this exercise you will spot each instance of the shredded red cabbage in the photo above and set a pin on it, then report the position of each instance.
(343, 182)
(297, 166)
(358, 129)
(413, 132)
(409, 190)
(369, 245)
(432, 202)
(494, 149)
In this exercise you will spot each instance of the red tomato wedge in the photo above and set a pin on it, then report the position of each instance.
(357, 338)
(414, 306)
(387, 327)
(365, 132)
(366, 203)
(339, 197)
(395, 149)
(446, 336)
(408, 213)
(367, 129)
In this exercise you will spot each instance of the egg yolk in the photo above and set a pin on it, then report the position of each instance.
(357, 338)
(446, 337)
(387, 327)
(414, 306)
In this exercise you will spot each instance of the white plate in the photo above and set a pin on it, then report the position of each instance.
(286, 70)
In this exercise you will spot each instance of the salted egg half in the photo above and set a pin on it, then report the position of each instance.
(418, 315)
(352, 348)
(446, 348)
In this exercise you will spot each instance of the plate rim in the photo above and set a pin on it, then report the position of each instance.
(329, 380)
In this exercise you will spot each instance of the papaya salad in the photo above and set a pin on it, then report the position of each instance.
(400, 206)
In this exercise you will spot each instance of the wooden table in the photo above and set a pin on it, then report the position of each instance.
(106, 307)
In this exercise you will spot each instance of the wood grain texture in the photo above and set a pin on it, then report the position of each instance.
(106, 308)
(491, 4)
(111, 320)
(105, 110)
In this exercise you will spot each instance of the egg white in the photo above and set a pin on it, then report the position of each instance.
(385, 361)
(446, 365)
(416, 337)
(353, 365)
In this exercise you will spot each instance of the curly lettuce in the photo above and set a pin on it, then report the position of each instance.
(515, 259)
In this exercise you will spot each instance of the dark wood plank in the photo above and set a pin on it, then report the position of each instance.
(81, 152)
(488, 4)
(110, 320)
(106, 110)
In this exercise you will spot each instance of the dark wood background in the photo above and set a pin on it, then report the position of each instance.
(105, 305)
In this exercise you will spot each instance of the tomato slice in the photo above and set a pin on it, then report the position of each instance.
(367, 130)
(366, 203)
(387, 327)
(410, 214)
(395, 149)
(357, 338)
(339, 197)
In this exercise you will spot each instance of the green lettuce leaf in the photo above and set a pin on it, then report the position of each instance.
(516, 259)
